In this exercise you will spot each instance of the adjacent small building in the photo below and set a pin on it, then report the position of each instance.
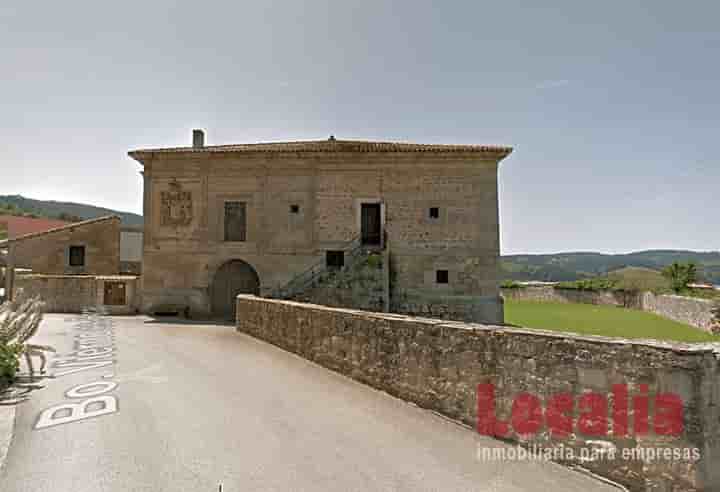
(254, 218)
(90, 247)
(72, 266)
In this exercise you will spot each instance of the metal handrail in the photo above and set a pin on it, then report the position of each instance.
(316, 269)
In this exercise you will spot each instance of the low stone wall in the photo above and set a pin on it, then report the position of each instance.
(439, 365)
(61, 293)
(72, 293)
(689, 310)
(548, 293)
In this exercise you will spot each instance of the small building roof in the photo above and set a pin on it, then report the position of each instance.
(330, 145)
(62, 228)
(19, 226)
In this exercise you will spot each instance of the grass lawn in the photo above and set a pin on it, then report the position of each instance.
(609, 321)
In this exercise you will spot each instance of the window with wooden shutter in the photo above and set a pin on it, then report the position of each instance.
(235, 221)
(77, 256)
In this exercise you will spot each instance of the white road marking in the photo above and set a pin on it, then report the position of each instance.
(66, 413)
(94, 348)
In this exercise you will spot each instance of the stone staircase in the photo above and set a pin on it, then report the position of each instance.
(362, 282)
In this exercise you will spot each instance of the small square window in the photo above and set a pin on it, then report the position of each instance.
(442, 277)
(77, 256)
(294, 209)
(434, 212)
(335, 259)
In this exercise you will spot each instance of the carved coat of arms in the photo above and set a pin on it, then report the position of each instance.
(176, 206)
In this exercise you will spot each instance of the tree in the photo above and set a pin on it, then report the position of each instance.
(680, 275)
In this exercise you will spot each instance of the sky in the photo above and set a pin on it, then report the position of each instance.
(613, 107)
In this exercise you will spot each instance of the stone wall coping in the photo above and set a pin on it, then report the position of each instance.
(116, 277)
(692, 348)
(97, 277)
(53, 275)
(688, 298)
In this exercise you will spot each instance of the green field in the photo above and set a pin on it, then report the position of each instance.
(608, 321)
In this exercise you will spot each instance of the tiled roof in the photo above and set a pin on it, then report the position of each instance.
(330, 145)
(63, 228)
(20, 226)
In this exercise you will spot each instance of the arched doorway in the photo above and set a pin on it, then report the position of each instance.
(233, 278)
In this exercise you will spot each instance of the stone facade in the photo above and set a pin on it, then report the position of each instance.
(438, 365)
(49, 252)
(689, 310)
(438, 207)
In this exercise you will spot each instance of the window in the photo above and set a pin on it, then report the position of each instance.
(434, 212)
(77, 256)
(294, 209)
(235, 221)
(442, 277)
(335, 259)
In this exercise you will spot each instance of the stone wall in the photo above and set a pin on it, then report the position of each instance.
(438, 365)
(62, 293)
(689, 310)
(548, 293)
(72, 293)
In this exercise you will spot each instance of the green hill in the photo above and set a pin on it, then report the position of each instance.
(19, 205)
(575, 266)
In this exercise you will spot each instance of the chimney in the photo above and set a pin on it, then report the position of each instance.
(198, 139)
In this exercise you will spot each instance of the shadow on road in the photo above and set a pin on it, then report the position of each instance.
(177, 320)
(21, 389)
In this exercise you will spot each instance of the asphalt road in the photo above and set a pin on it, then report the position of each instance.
(199, 405)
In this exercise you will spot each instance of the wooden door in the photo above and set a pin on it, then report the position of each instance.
(233, 278)
(370, 225)
(114, 294)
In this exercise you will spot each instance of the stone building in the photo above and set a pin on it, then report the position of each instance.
(72, 266)
(253, 218)
(90, 247)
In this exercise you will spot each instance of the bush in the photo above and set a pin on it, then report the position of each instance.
(374, 261)
(590, 284)
(511, 284)
(9, 363)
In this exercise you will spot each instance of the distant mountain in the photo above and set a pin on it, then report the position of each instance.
(576, 266)
(63, 210)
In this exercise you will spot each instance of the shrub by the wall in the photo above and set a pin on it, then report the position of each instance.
(9, 363)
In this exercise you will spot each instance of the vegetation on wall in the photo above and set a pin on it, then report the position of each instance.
(590, 284)
(511, 284)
